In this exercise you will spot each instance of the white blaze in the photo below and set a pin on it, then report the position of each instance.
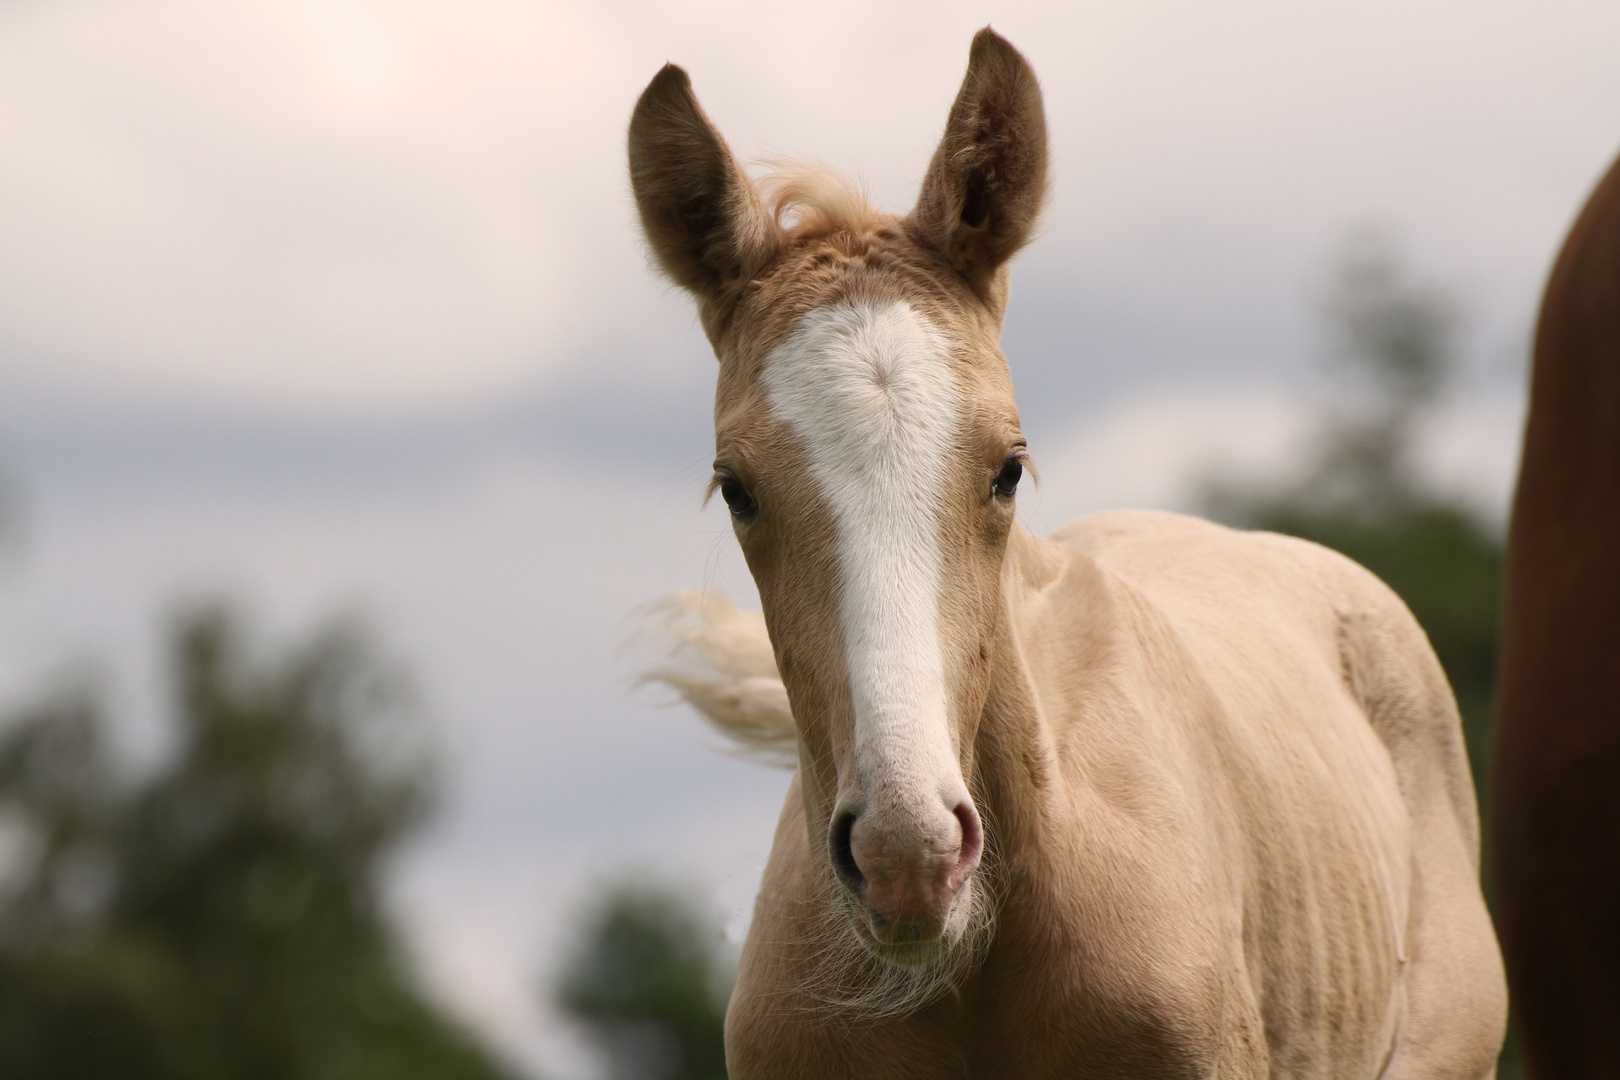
(868, 389)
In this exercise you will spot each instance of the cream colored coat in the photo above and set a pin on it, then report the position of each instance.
(1235, 828)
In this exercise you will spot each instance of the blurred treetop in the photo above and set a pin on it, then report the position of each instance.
(648, 981)
(1393, 346)
(220, 919)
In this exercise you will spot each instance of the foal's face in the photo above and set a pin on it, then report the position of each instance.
(868, 448)
(869, 451)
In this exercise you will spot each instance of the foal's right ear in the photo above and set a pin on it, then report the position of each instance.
(701, 214)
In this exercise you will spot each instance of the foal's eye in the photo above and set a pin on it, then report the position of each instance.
(1007, 479)
(743, 507)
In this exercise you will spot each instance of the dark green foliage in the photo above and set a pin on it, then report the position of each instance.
(649, 982)
(220, 920)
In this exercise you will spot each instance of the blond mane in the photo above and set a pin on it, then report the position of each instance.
(719, 660)
(807, 199)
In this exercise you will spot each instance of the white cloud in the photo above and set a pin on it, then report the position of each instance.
(1155, 450)
(321, 204)
(351, 205)
(1162, 449)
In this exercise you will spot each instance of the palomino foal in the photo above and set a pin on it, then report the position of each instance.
(1148, 798)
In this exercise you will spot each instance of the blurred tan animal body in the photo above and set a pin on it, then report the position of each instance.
(1146, 798)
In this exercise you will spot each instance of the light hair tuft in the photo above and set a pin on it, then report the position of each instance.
(808, 199)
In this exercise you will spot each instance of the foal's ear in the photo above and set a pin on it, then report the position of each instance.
(700, 212)
(984, 187)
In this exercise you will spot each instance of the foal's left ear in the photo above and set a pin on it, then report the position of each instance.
(984, 187)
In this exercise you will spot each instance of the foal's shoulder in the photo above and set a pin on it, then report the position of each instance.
(1109, 531)
(1158, 547)
(1236, 586)
(1128, 534)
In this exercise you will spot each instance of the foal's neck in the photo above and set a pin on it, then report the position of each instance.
(1016, 752)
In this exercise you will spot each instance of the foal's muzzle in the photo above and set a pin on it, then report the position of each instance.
(907, 869)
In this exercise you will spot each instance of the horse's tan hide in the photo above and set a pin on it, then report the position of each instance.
(1212, 762)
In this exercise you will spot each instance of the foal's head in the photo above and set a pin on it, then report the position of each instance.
(868, 447)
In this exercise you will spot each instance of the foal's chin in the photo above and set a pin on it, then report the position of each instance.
(909, 948)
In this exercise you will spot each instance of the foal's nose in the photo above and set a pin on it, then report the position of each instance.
(908, 872)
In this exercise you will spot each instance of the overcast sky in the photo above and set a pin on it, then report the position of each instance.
(333, 304)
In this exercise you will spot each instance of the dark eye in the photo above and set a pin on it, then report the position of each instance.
(743, 506)
(1007, 479)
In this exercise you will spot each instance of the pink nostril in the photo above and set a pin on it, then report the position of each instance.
(972, 849)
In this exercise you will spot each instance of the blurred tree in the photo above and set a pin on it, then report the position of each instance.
(219, 920)
(649, 982)
(1394, 347)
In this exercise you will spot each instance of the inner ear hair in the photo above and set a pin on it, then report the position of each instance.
(985, 185)
(700, 213)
